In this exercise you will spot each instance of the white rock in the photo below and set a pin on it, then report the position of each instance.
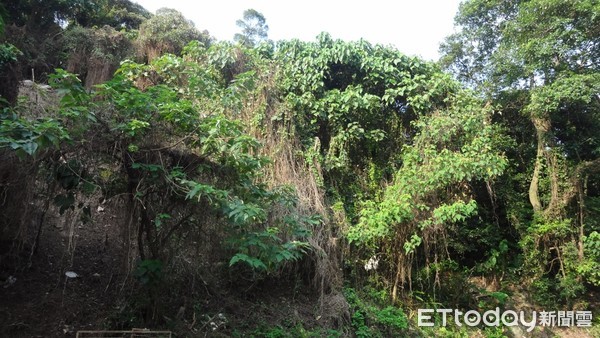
(71, 274)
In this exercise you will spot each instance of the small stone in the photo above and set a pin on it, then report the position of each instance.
(71, 274)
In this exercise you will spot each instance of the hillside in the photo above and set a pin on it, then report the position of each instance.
(153, 177)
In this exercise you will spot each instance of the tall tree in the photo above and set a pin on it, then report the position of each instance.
(398, 144)
(539, 57)
(254, 28)
(37, 29)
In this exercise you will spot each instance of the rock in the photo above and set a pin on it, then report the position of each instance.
(71, 274)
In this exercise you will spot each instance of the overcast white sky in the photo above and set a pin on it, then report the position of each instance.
(415, 27)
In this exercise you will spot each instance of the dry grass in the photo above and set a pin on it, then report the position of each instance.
(290, 168)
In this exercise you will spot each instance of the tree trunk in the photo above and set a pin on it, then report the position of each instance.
(542, 125)
(582, 191)
(554, 206)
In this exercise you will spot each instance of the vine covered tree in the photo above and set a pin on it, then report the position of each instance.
(537, 60)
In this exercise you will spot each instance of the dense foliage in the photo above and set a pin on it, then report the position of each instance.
(349, 168)
(537, 61)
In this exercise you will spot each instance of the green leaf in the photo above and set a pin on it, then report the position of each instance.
(64, 202)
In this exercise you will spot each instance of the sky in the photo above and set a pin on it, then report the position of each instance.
(415, 27)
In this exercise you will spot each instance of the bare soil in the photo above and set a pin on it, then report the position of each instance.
(37, 299)
(42, 301)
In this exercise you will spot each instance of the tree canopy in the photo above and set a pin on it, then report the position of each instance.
(118, 14)
(254, 28)
(168, 32)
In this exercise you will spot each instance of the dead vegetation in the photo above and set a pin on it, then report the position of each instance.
(104, 234)
(95, 53)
